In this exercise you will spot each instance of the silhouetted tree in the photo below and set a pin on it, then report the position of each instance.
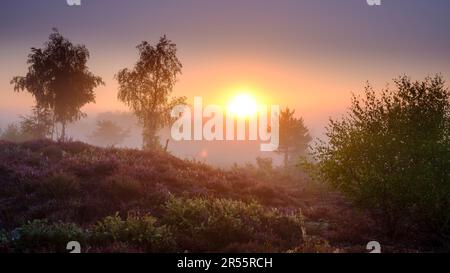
(108, 133)
(59, 79)
(146, 89)
(294, 137)
(392, 154)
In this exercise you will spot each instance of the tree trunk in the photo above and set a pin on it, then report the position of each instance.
(150, 138)
(53, 127)
(286, 158)
(63, 133)
(167, 145)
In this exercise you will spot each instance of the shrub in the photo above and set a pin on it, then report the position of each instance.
(41, 236)
(59, 186)
(391, 154)
(14, 133)
(138, 231)
(314, 245)
(37, 144)
(122, 188)
(4, 241)
(203, 224)
(75, 147)
(52, 152)
(88, 166)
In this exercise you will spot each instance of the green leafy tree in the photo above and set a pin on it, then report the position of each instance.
(108, 133)
(59, 79)
(147, 88)
(294, 137)
(392, 154)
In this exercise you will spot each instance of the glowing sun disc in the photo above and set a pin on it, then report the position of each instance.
(243, 105)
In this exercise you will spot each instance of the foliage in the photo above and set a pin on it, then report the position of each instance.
(33, 127)
(138, 231)
(14, 133)
(4, 240)
(59, 79)
(392, 154)
(73, 182)
(108, 133)
(294, 137)
(264, 164)
(146, 89)
(41, 236)
(59, 186)
(212, 225)
(39, 124)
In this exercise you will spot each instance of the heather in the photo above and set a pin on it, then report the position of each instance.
(123, 200)
(130, 200)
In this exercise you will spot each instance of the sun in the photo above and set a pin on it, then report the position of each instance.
(243, 105)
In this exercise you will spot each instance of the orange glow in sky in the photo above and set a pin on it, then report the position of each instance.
(287, 53)
(243, 105)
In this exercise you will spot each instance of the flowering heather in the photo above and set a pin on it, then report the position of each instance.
(138, 201)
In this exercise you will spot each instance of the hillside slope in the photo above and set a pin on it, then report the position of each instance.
(130, 200)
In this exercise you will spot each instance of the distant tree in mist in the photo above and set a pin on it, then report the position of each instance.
(123, 119)
(108, 133)
(12, 133)
(264, 163)
(391, 154)
(38, 125)
(294, 137)
(59, 80)
(147, 88)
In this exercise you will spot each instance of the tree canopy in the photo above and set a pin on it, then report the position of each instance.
(59, 79)
(147, 88)
(294, 137)
(391, 153)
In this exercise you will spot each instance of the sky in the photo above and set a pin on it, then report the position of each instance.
(309, 55)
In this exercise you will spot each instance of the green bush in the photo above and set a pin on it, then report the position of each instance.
(140, 232)
(42, 236)
(203, 224)
(4, 240)
(392, 154)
